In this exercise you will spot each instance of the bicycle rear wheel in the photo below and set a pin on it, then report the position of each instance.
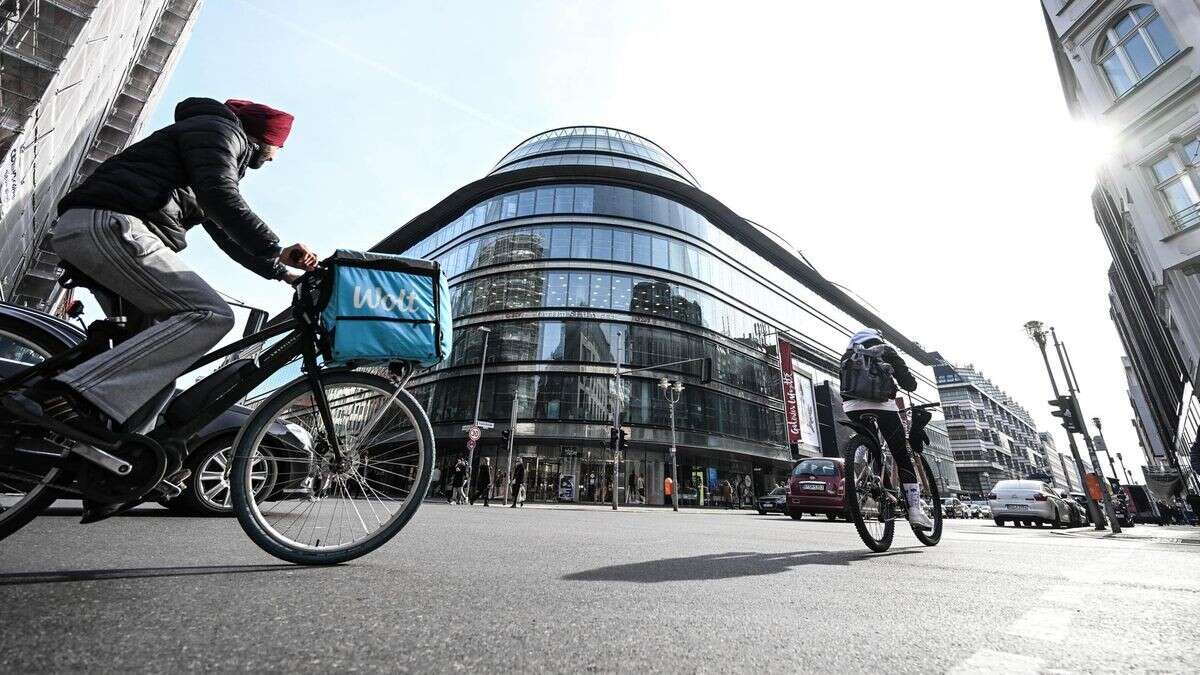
(26, 480)
(872, 512)
(929, 494)
(323, 511)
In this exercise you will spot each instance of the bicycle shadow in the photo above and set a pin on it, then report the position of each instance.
(730, 565)
(66, 576)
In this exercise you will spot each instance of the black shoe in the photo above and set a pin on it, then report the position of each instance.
(94, 512)
(63, 405)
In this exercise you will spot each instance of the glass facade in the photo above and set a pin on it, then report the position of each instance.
(572, 277)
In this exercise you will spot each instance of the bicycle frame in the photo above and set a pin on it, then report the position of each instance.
(207, 399)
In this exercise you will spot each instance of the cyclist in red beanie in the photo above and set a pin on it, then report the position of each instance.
(124, 227)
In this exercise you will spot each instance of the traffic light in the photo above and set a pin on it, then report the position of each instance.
(706, 369)
(506, 437)
(612, 437)
(1063, 407)
(624, 440)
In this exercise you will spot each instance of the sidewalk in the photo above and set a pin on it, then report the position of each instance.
(635, 508)
(1154, 534)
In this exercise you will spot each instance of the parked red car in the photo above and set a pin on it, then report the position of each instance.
(817, 485)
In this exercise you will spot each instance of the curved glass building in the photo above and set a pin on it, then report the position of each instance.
(589, 246)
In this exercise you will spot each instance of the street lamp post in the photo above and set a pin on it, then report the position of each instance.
(478, 398)
(1111, 464)
(1121, 461)
(1038, 334)
(984, 479)
(672, 390)
(1106, 492)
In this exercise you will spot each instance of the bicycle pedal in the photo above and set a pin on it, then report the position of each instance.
(172, 487)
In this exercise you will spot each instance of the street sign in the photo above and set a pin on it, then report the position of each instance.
(470, 444)
(485, 425)
(474, 433)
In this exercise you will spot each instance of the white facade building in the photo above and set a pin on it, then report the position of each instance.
(1133, 69)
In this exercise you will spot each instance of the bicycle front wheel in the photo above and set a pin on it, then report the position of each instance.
(325, 509)
(870, 506)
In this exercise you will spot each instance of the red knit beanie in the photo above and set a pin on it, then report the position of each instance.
(263, 122)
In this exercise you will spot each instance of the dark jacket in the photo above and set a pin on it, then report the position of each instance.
(519, 473)
(903, 375)
(184, 175)
(483, 477)
(459, 477)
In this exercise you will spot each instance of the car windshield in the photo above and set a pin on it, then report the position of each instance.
(815, 467)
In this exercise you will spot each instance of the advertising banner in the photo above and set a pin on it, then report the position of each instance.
(800, 406)
(791, 406)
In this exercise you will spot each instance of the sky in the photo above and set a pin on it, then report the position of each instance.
(919, 153)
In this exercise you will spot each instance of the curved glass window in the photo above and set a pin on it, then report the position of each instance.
(633, 204)
(586, 398)
(603, 342)
(613, 291)
(1135, 44)
(596, 139)
(608, 243)
(592, 159)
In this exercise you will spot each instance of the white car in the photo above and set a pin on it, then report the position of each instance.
(1028, 502)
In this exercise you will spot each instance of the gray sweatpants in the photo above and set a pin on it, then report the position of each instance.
(181, 317)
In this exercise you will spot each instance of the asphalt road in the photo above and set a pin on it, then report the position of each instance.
(585, 589)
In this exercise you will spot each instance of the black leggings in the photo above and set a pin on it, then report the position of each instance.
(893, 433)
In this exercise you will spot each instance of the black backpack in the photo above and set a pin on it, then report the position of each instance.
(866, 376)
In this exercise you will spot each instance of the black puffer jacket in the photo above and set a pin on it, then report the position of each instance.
(184, 175)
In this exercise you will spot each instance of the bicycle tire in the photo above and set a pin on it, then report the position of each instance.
(29, 507)
(932, 537)
(850, 453)
(244, 506)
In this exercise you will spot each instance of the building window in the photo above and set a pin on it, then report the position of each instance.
(1177, 177)
(1134, 45)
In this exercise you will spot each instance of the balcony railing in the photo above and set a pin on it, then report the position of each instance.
(1185, 218)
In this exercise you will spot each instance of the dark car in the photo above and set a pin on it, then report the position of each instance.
(774, 501)
(206, 491)
(817, 485)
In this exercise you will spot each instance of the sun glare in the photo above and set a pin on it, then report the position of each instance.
(1092, 143)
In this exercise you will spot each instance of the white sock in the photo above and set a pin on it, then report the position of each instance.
(913, 492)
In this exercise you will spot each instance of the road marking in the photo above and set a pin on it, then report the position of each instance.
(1075, 596)
(989, 662)
(1042, 623)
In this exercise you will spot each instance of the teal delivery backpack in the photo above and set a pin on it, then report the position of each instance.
(382, 307)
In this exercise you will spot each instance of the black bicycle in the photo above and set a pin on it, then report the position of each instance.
(349, 452)
(873, 492)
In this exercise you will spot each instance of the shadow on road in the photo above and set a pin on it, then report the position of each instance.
(20, 578)
(725, 565)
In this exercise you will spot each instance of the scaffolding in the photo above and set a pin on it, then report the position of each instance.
(37, 39)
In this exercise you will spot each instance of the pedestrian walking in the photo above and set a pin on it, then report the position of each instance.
(458, 482)
(518, 484)
(727, 493)
(668, 490)
(483, 482)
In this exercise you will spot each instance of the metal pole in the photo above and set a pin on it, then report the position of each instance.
(674, 466)
(1105, 486)
(1039, 337)
(1111, 464)
(512, 432)
(619, 393)
(487, 332)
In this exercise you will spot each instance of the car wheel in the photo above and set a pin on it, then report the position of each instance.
(831, 517)
(999, 522)
(206, 491)
(761, 512)
(796, 515)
